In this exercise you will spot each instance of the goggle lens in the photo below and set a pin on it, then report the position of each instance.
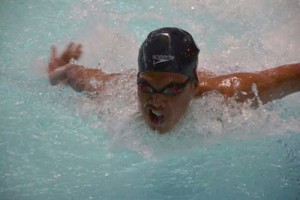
(171, 89)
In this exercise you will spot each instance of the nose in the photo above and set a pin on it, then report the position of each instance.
(157, 100)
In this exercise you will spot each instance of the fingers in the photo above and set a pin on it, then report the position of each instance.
(78, 48)
(72, 51)
(51, 64)
(66, 53)
(53, 52)
(70, 45)
(77, 52)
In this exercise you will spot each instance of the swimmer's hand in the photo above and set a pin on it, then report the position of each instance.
(59, 65)
(59, 75)
(80, 78)
(73, 51)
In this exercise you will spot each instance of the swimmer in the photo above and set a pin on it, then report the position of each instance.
(168, 80)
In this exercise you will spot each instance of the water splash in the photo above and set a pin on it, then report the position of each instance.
(210, 120)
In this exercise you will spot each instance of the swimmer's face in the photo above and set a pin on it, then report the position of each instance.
(160, 111)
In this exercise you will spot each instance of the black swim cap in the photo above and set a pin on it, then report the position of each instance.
(169, 50)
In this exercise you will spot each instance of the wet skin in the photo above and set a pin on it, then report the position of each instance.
(162, 112)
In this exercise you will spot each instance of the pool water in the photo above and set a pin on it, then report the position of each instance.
(59, 144)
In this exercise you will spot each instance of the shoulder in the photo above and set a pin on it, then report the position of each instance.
(205, 81)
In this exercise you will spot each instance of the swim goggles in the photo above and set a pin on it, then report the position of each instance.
(171, 89)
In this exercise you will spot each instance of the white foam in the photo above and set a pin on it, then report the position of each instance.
(210, 120)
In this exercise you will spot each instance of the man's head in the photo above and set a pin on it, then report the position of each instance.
(167, 78)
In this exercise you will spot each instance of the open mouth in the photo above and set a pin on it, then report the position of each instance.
(156, 117)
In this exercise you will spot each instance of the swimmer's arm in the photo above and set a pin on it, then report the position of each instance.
(60, 70)
(87, 79)
(80, 78)
(264, 86)
(59, 74)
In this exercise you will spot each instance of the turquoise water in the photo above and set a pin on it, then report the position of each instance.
(57, 144)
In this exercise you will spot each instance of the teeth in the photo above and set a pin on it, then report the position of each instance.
(157, 113)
